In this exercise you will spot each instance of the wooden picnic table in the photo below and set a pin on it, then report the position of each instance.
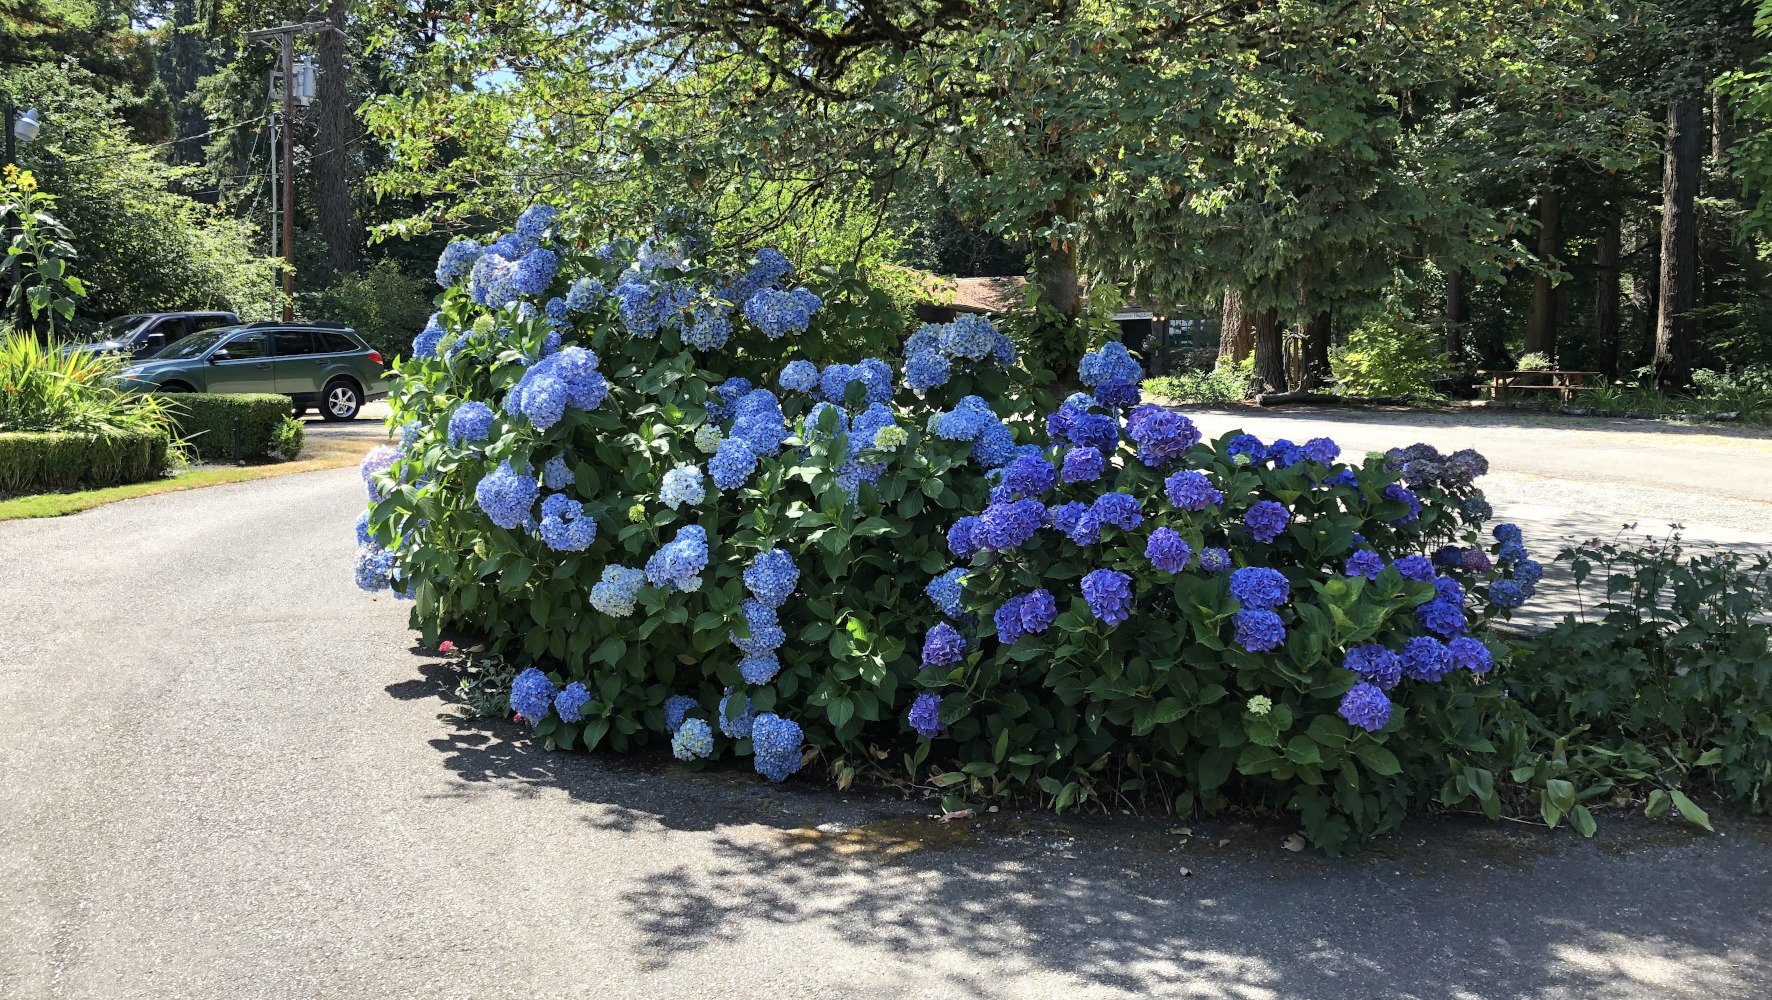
(1567, 383)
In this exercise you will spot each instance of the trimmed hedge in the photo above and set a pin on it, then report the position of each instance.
(40, 461)
(206, 422)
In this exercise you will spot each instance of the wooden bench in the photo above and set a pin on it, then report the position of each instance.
(1567, 383)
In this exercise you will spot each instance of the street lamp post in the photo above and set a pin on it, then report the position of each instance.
(19, 128)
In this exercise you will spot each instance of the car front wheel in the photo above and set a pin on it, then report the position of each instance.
(341, 401)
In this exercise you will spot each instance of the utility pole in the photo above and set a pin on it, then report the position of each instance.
(284, 34)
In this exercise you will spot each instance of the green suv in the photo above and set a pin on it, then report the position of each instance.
(314, 364)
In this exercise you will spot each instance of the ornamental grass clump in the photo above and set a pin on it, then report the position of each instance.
(638, 472)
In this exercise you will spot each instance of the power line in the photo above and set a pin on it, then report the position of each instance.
(162, 145)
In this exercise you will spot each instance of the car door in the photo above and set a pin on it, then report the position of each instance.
(246, 366)
(163, 331)
(298, 366)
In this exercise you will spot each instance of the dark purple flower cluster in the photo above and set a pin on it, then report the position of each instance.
(1162, 435)
(1415, 567)
(1118, 509)
(1267, 519)
(1246, 444)
(1396, 491)
(1083, 465)
(1260, 587)
(1190, 490)
(1442, 617)
(1116, 394)
(960, 540)
(1025, 614)
(1029, 476)
(1109, 593)
(943, 646)
(1167, 551)
(1366, 563)
(1367, 707)
(1284, 454)
(1009, 524)
(1259, 631)
(1095, 430)
(1426, 659)
(1375, 665)
(925, 716)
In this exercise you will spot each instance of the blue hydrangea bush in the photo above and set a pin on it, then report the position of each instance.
(1137, 611)
(635, 469)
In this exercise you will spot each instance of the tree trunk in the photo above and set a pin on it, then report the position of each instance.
(1237, 338)
(1270, 358)
(1679, 245)
(1719, 126)
(1055, 267)
(1541, 316)
(1316, 352)
(1644, 282)
(1606, 293)
(335, 155)
(1455, 315)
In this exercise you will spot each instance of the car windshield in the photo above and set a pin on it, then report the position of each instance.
(194, 345)
(113, 329)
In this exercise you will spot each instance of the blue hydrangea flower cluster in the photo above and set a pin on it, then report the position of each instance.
(678, 563)
(375, 566)
(1214, 560)
(1415, 567)
(1008, 525)
(555, 474)
(507, 496)
(1084, 465)
(1375, 664)
(682, 485)
(1398, 492)
(1118, 509)
(931, 352)
(425, 344)
(458, 259)
(771, 577)
(570, 702)
(1116, 393)
(1259, 630)
(584, 294)
(779, 313)
(1109, 595)
(1366, 563)
(775, 746)
(1190, 490)
(1426, 659)
(738, 726)
(945, 591)
(567, 378)
(564, 528)
(615, 593)
(531, 695)
(925, 716)
(693, 739)
(1111, 361)
(732, 464)
(677, 708)
(760, 664)
(799, 376)
(1029, 477)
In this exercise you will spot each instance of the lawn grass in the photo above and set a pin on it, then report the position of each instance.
(319, 453)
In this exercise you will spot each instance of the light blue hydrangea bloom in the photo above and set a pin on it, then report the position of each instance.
(693, 740)
(1111, 361)
(679, 562)
(570, 702)
(737, 727)
(507, 496)
(799, 376)
(771, 577)
(531, 695)
(564, 528)
(775, 746)
(615, 593)
(457, 259)
(682, 485)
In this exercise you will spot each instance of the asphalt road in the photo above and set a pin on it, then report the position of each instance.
(223, 775)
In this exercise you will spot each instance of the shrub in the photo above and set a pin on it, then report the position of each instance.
(207, 422)
(728, 503)
(288, 438)
(1389, 358)
(46, 389)
(37, 462)
(1661, 690)
(1223, 384)
(798, 598)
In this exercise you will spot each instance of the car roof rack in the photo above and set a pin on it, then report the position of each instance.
(266, 324)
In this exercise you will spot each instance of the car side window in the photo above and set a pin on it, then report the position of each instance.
(171, 329)
(336, 343)
(291, 343)
(211, 322)
(246, 347)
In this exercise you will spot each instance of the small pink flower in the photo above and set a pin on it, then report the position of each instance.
(445, 646)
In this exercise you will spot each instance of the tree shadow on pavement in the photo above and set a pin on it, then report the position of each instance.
(1479, 418)
(1104, 905)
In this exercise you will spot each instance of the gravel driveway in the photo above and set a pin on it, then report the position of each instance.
(224, 776)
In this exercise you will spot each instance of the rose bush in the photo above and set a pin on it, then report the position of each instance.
(644, 474)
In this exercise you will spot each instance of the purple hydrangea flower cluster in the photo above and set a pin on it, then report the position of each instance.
(1167, 551)
(1191, 490)
(1025, 614)
(1259, 630)
(1366, 563)
(1375, 665)
(1426, 659)
(1083, 465)
(943, 646)
(1470, 654)
(1267, 519)
(1398, 492)
(1008, 525)
(925, 716)
(1118, 509)
(1260, 587)
(1367, 707)
(1162, 435)
(1109, 594)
